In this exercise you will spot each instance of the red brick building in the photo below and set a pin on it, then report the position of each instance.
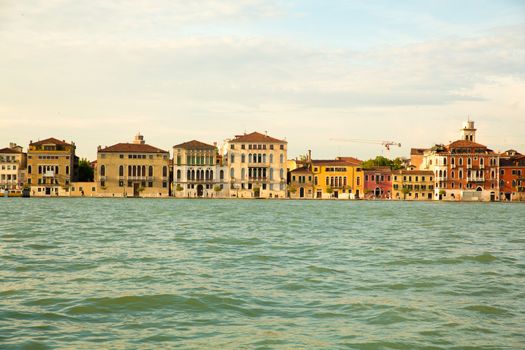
(378, 183)
(512, 176)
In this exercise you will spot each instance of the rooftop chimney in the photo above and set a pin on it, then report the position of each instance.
(139, 139)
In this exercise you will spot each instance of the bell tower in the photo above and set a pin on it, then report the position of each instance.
(468, 132)
(139, 139)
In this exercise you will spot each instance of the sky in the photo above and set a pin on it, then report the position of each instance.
(97, 72)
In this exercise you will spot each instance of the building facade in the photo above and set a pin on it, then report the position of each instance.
(257, 166)
(51, 167)
(412, 184)
(301, 183)
(464, 169)
(512, 176)
(338, 178)
(13, 162)
(198, 171)
(132, 170)
(378, 183)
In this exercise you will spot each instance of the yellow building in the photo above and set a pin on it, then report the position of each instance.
(412, 184)
(51, 167)
(132, 170)
(338, 178)
(83, 189)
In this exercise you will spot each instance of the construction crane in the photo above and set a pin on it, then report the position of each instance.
(386, 144)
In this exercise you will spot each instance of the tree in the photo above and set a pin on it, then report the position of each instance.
(329, 190)
(217, 189)
(179, 188)
(395, 164)
(292, 189)
(85, 171)
(405, 190)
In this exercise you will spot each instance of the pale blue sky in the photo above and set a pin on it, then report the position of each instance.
(96, 72)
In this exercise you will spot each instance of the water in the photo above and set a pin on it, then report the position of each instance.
(124, 274)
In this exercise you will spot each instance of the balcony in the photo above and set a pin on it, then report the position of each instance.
(475, 179)
(258, 179)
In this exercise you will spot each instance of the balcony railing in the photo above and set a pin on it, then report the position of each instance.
(475, 179)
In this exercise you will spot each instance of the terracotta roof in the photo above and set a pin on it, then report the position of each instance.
(50, 140)
(9, 150)
(256, 137)
(413, 172)
(379, 168)
(332, 162)
(351, 160)
(512, 161)
(303, 169)
(194, 144)
(132, 148)
(465, 144)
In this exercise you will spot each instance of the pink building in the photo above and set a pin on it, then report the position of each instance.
(378, 183)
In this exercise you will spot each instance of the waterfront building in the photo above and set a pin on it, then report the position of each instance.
(301, 183)
(463, 169)
(83, 189)
(132, 170)
(198, 171)
(338, 178)
(13, 162)
(51, 167)
(412, 184)
(257, 166)
(512, 176)
(378, 183)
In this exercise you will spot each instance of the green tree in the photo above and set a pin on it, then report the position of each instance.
(85, 171)
(405, 190)
(395, 164)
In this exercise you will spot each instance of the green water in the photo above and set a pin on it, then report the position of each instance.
(137, 273)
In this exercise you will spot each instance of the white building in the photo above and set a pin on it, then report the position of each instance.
(12, 167)
(198, 171)
(257, 166)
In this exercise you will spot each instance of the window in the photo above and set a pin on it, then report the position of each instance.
(102, 170)
(164, 184)
(281, 158)
(222, 175)
(232, 146)
(150, 183)
(121, 183)
(232, 158)
(29, 169)
(232, 173)
(243, 158)
(150, 171)
(121, 156)
(281, 173)
(121, 171)
(281, 147)
(164, 171)
(179, 174)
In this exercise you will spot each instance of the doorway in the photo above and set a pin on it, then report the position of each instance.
(48, 191)
(301, 192)
(377, 192)
(200, 190)
(135, 189)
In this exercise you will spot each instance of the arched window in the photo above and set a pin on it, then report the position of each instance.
(121, 170)
(232, 173)
(164, 171)
(222, 174)
(243, 173)
(208, 174)
(281, 173)
(102, 170)
(264, 158)
(481, 161)
(243, 158)
(143, 170)
(259, 158)
(40, 169)
(271, 157)
(461, 174)
(56, 169)
(271, 173)
(178, 174)
(188, 175)
(129, 170)
(193, 174)
(29, 169)
(281, 158)
(134, 170)
(327, 181)
(150, 171)
(211, 175)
